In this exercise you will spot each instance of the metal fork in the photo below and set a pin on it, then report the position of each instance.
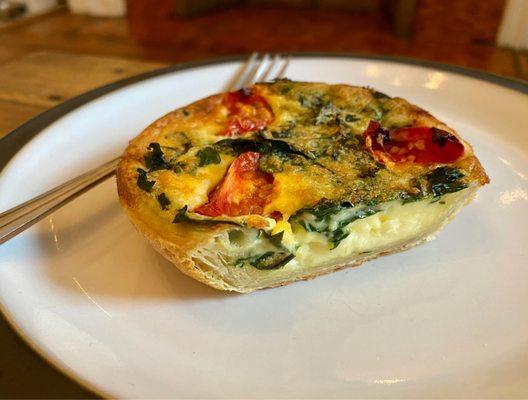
(21, 217)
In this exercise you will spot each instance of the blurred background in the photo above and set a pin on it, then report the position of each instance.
(52, 41)
(474, 33)
(52, 50)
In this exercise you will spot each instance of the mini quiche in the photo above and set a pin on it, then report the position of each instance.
(289, 180)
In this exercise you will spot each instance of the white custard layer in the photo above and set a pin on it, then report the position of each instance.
(396, 227)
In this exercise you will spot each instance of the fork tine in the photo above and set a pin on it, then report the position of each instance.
(273, 63)
(263, 67)
(282, 70)
(260, 70)
(250, 78)
(246, 70)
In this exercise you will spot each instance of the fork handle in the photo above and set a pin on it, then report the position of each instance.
(23, 216)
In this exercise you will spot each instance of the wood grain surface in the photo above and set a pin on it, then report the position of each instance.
(40, 80)
(13, 114)
(45, 79)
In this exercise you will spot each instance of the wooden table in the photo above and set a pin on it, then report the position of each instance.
(43, 79)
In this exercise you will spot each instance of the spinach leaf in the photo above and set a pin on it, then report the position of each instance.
(208, 155)
(445, 180)
(181, 216)
(260, 145)
(154, 159)
(282, 85)
(351, 118)
(237, 146)
(332, 218)
(266, 261)
(265, 146)
(326, 209)
(163, 201)
(143, 182)
(380, 95)
(337, 235)
(284, 89)
(272, 259)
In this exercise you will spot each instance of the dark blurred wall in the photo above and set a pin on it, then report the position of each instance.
(468, 20)
(312, 25)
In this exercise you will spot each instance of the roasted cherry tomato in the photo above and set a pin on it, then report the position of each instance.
(421, 145)
(276, 215)
(248, 112)
(244, 190)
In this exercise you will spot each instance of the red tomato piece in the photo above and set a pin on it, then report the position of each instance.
(276, 215)
(421, 145)
(248, 112)
(244, 190)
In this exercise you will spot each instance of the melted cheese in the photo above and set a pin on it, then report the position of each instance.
(203, 131)
(284, 110)
(192, 189)
(293, 191)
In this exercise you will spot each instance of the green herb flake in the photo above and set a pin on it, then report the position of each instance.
(179, 167)
(380, 95)
(262, 145)
(154, 159)
(285, 87)
(208, 155)
(163, 201)
(327, 114)
(143, 182)
(267, 261)
(445, 180)
(181, 215)
(351, 118)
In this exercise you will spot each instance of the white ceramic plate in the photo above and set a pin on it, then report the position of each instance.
(446, 319)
